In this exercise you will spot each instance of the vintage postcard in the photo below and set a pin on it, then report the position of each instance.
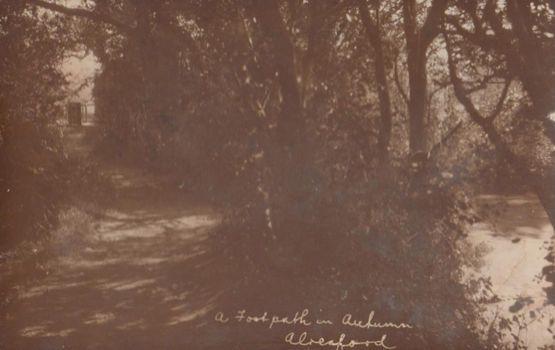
(277, 174)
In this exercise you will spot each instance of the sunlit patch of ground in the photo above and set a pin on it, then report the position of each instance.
(120, 278)
(122, 226)
(41, 331)
(187, 316)
(100, 318)
(516, 237)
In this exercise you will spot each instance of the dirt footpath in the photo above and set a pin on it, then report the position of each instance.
(122, 276)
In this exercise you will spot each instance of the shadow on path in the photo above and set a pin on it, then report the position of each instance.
(140, 280)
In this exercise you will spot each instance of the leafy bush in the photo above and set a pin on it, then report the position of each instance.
(31, 89)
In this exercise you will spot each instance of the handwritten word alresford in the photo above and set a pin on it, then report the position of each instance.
(303, 340)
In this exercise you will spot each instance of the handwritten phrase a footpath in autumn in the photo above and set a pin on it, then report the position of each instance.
(306, 319)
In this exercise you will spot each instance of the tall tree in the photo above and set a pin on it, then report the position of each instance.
(291, 122)
(418, 40)
(374, 33)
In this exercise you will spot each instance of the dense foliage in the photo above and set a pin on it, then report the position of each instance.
(32, 44)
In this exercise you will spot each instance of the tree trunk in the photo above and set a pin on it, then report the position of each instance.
(418, 40)
(418, 96)
(290, 124)
(416, 64)
(374, 35)
(286, 153)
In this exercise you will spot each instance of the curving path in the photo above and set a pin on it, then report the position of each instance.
(128, 276)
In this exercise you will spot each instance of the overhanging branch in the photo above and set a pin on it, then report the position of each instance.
(83, 13)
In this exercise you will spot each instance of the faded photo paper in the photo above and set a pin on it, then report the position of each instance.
(277, 174)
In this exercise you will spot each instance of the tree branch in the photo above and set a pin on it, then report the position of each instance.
(462, 94)
(83, 13)
(477, 37)
(501, 101)
(432, 25)
(459, 89)
(446, 138)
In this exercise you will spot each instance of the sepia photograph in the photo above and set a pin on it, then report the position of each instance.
(277, 174)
